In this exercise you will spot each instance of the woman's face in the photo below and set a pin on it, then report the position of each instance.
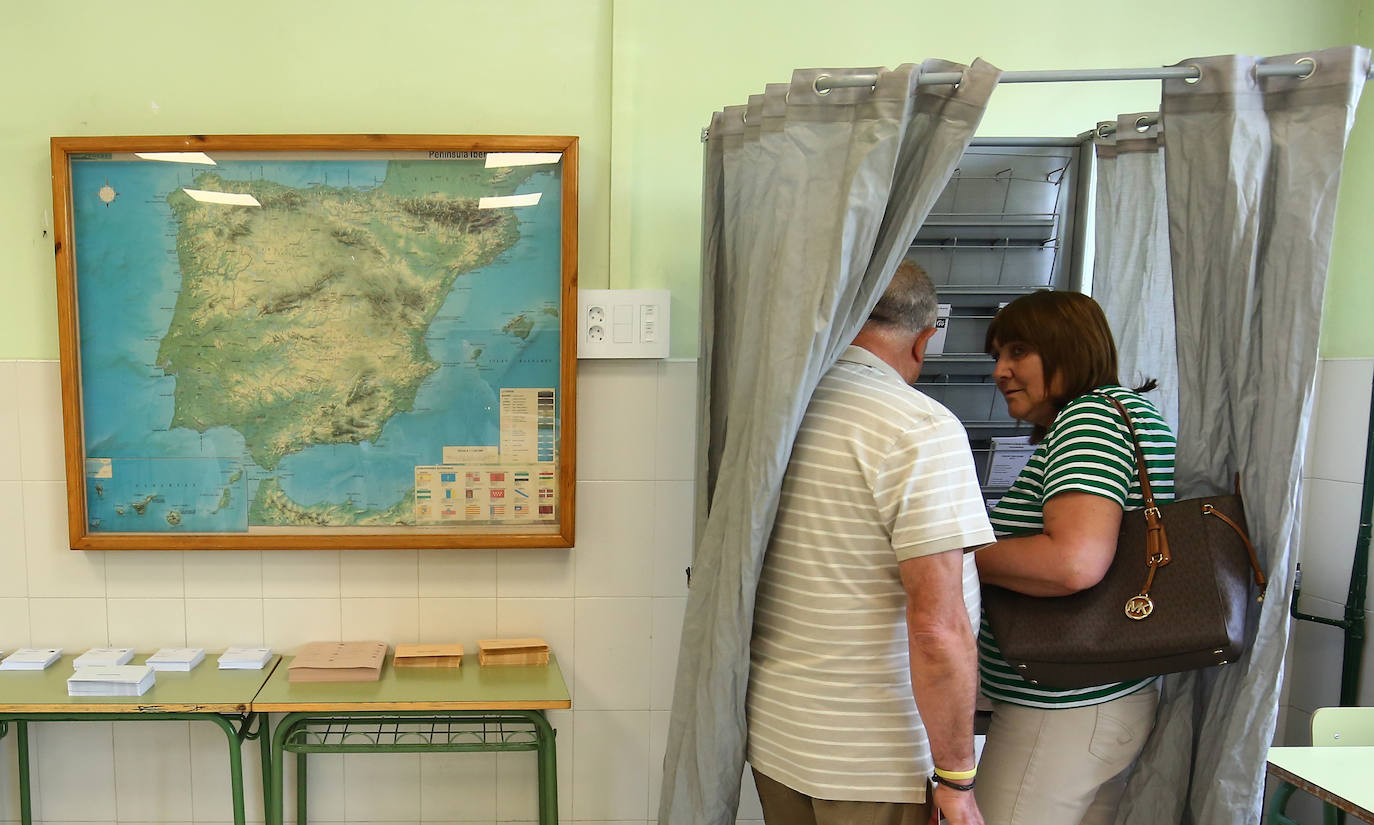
(1020, 376)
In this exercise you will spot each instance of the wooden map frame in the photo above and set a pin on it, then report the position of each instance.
(558, 534)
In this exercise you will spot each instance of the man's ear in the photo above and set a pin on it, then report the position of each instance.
(918, 344)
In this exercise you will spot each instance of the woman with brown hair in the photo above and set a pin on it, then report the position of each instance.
(1063, 756)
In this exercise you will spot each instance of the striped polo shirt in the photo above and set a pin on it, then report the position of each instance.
(879, 473)
(1087, 449)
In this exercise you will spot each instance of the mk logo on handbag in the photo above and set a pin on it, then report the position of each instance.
(1139, 606)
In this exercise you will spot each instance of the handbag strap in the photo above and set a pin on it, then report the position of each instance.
(1156, 541)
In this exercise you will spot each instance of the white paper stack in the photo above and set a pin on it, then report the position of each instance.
(245, 658)
(936, 344)
(119, 680)
(176, 658)
(31, 658)
(104, 657)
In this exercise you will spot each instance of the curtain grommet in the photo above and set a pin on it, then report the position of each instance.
(1193, 81)
(1143, 124)
(1105, 130)
(1310, 62)
(816, 85)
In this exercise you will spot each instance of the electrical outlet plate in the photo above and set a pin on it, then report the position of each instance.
(622, 323)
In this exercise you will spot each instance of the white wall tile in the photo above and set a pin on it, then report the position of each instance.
(1316, 673)
(152, 771)
(149, 573)
(300, 575)
(289, 623)
(327, 799)
(10, 465)
(74, 763)
(38, 396)
(458, 620)
(617, 405)
(658, 746)
(223, 574)
(667, 638)
(54, 568)
(382, 786)
(458, 573)
(458, 787)
(147, 624)
(14, 624)
(72, 624)
(394, 621)
(14, 577)
(675, 453)
(209, 767)
(1330, 525)
(613, 655)
(216, 624)
(672, 543)
(379, 573)
(615, 535)
(517, 795)
(536, 573)
(1340, 420)
(610, 765)
(553, 620)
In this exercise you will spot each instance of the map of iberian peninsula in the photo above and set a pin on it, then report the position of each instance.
(301, 321)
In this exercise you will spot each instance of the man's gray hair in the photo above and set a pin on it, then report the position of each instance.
(909, 302)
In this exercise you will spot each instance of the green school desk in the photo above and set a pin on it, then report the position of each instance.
(416, 710)
(205, 694)
(1342, 776)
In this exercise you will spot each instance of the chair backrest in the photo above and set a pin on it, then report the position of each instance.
(1343, 727)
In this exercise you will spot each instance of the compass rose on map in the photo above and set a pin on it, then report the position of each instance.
(107, 194)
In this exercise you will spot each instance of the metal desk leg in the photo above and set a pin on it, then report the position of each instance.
(276, 812)
(264, 737)
(547, 754)
(302, 795)
(21, 733)
(235, 761)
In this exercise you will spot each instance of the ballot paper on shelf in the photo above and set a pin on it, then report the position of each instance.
(176, 658)
(104, 657)
(118, 680)
(338, 662)
(450, 655)
(245, 658)
(528, 651)
(936, 344)
(1006, 458)
(31, 658)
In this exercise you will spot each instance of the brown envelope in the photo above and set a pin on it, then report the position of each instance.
(428, 656)
(338, 662)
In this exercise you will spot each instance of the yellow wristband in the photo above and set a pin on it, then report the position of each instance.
(955, 776)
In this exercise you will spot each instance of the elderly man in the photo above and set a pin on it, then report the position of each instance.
(863, 674)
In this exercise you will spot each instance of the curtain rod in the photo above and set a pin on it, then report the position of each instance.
(1303, 67)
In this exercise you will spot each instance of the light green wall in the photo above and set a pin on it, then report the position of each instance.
(636, 79)
(81, 67)
(676, 63)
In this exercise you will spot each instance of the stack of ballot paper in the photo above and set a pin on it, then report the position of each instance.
(31, 658)
(338, 662)
(120, 680)
(176, 658)
(512, 652)
(428, 656)
(104, 657)
(245, 658)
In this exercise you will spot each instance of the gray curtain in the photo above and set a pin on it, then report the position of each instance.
(1132, 277)
(810, 201)
(1252, 169)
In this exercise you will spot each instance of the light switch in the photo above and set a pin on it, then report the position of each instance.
(623, 323)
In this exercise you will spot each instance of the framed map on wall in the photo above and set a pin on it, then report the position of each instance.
(317, 341)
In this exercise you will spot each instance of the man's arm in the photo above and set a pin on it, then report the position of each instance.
(944, 670)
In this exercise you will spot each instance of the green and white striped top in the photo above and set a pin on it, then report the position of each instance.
(1087, 449)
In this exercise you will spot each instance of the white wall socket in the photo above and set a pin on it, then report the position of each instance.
(622, 323)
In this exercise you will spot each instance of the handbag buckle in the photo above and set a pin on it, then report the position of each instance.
(1139, 607)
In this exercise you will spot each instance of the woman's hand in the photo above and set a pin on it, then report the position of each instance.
(1072, 554)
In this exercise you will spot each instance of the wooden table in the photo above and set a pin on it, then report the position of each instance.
(1341, 776)
(416, 710)
(205, 694)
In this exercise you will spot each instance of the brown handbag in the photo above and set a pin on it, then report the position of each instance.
(1177, 597)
